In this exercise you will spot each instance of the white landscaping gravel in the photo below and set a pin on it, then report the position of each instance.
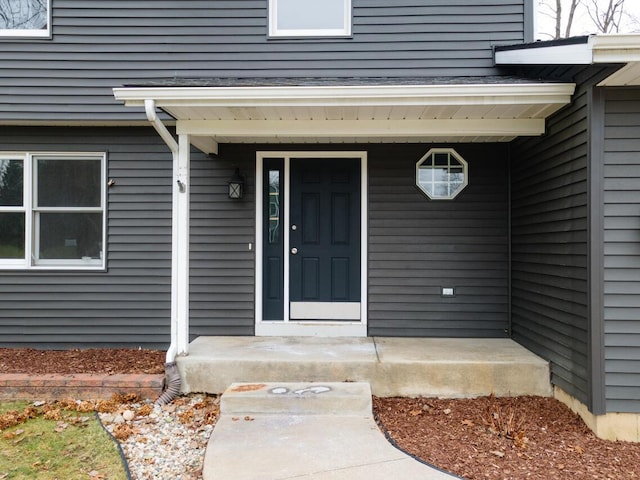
(167, 443)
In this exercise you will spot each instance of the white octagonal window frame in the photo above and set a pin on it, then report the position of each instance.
(441, 174)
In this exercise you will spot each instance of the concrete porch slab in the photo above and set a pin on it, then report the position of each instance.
(393, 366)
(455, 367)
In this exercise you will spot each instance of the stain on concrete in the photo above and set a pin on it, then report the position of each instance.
(250, 387)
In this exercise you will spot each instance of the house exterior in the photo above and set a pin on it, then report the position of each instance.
(404, 169)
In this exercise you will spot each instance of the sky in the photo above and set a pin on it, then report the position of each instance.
(582, 24)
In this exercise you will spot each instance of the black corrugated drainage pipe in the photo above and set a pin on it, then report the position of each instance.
(172, 384)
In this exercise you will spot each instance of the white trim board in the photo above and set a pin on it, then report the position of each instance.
(302, 327)
(384, 128)
(343, 95)
(576, 54)
(596, 49)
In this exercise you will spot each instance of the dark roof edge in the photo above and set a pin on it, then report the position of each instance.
(545, 44)
(329, 81)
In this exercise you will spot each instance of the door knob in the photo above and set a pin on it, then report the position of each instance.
(294, 227)
(294, 250)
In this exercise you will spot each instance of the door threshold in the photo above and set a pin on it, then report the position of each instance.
(310, 329)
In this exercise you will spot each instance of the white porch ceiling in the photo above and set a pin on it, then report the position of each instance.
(355, 114)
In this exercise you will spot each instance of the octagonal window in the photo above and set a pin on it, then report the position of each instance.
(441, 174)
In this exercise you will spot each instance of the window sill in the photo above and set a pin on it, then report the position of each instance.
(64, 268)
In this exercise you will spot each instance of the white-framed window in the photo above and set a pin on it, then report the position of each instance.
(25, 18)
(309, 18)
(52, 210)
(442, 173)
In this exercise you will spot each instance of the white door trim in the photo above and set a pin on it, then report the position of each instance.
(327, 327)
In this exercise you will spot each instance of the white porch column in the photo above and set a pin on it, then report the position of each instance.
(180, 245)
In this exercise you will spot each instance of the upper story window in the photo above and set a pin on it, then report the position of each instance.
(309, 18)
(25, 18)
(441, 174)
(52, 211)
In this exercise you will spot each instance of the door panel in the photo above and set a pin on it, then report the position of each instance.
(341, 218)
(310, 218)
(325, 238)
(340, 279)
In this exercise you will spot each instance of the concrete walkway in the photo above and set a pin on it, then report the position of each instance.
(318, 431)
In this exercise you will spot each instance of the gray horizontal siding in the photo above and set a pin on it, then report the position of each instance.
(99, 45)
(129, 304)
(222, 265)
(622, 250)
(417, 246)
(550, 243)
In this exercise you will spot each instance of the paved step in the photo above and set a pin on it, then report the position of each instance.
(297, 398)
(311, 430)
(434, 367)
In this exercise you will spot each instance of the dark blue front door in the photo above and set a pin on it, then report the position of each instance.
(324, 239)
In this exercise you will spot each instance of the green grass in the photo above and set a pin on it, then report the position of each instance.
(68, 448)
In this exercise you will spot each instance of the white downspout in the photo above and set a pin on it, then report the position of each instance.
(179, 235)
(150, 109)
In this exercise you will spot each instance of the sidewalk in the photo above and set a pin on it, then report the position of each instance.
(318, 431)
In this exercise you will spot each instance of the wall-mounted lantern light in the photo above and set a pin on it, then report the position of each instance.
(236, 186)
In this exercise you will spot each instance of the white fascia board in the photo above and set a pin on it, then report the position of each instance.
(368, 128)
(615, 48)
(598, 49)
(577, 54)
(473, 94)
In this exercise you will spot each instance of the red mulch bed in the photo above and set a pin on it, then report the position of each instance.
(519, 438)
(514, 438)
(98, 361)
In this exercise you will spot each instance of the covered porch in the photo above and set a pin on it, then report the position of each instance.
(436, 367)
(290, 112)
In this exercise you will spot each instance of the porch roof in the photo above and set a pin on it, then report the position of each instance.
(488, 109)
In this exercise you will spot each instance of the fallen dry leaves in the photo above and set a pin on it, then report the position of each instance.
(123, 431)
(55, 410)
(16, 417)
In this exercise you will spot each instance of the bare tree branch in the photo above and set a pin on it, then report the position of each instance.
(606, 19)
(558, 18)
(561, 17)
(572, 11)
